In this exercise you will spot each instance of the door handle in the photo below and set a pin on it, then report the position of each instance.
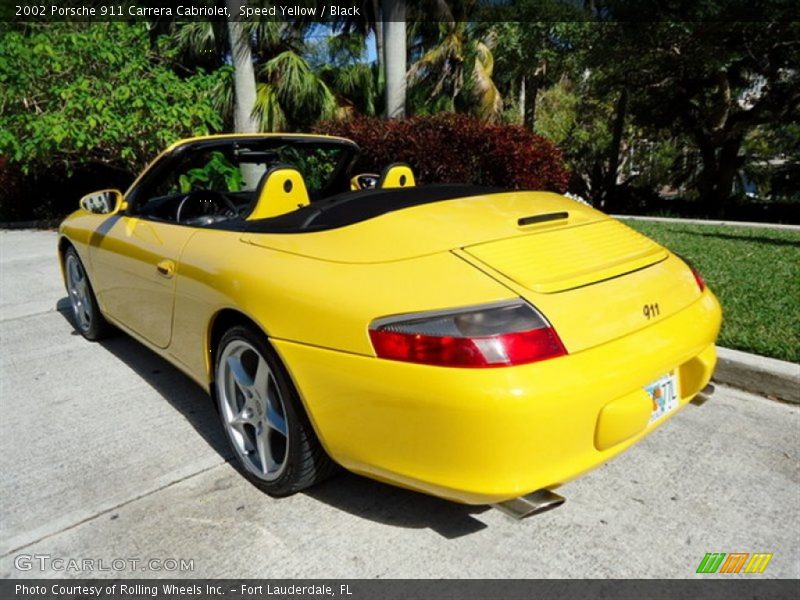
(166, 268)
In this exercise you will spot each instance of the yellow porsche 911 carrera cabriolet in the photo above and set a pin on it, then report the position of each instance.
(474, 343)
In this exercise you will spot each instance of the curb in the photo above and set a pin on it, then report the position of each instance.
(777, 379)
(753, 224)
(40, 224)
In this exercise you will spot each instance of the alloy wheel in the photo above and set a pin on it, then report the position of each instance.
(252, 410)
(79, 293)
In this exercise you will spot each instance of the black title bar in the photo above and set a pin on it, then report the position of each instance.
(329, 11)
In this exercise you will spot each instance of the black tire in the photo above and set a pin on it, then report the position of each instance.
(86, 315)
(303, 460)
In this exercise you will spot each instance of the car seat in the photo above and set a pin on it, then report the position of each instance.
(397, 175)
(281, 190)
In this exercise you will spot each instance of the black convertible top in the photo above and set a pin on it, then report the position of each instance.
(353, 207)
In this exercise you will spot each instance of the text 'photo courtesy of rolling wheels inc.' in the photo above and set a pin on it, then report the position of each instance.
(399, 299)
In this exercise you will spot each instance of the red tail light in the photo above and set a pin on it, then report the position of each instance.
(701, 283)
(497, 335)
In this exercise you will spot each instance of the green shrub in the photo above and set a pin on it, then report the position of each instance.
(78, 97)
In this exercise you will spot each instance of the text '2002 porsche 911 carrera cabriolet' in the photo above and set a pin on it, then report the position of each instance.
(473, 343)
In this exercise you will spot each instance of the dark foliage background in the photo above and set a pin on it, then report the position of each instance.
(454, 148)
(666, 108)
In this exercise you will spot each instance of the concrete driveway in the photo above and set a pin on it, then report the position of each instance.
(107, 452)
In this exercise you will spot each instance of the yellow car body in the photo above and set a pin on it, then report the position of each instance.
(471, 435)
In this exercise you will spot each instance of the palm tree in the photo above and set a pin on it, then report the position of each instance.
(487, 98)
(243, 73)
(291, 93)
(380, 47)
(339, 61)
(386, 20)
(368, 22)
(440, 69)
(394, 32)
(442, 66)
(265, 84)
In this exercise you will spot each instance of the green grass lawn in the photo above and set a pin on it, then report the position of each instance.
(754, 272)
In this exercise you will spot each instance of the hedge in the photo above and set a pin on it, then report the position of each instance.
(454, 148)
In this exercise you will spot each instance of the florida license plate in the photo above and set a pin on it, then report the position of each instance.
(664, 394)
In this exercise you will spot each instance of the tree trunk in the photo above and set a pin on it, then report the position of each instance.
(522, 101)
(529, 103)
(152, 34)
(380, 52)
(244, 76)
(610, 194)
(394, 30)
(720, 166)
(729, 164)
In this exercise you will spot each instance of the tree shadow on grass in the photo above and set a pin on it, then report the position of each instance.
(347, 492)
(758, 239)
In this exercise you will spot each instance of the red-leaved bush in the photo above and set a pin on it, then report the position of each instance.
(453, 148)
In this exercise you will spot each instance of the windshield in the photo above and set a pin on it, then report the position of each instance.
(237, 165)
(230, 169)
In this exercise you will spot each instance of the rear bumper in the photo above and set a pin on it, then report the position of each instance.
(481, 436)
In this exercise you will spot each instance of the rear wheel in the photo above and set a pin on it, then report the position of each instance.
(263, 417)
(86, 315)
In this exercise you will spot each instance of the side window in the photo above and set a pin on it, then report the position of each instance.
(210, 170)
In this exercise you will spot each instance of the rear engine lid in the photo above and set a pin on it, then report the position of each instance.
(433, 227)
(567, 258)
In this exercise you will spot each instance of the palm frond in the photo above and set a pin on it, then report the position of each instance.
(442, 65)
(290, 75)
(298, 88)
(270, 38)
(489, 102)
(328, 107)
(356, 82)
(268, 110)
(197, 42)
(346, 48)
(223, 97)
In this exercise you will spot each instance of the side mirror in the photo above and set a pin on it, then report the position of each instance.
(364, 181)
(104, 202)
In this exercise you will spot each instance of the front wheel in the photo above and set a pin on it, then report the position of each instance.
(85, 312)
(263, 417)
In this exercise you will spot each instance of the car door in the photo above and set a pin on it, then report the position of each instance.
(134, 266)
